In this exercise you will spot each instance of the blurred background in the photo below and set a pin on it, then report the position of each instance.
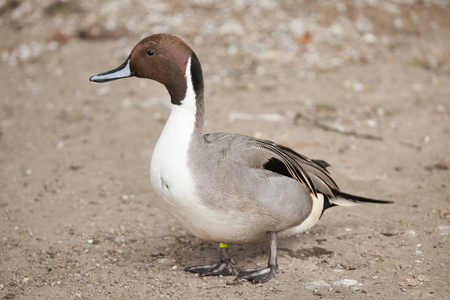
(237, 37)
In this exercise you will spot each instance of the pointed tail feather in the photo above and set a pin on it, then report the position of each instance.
(345, 199)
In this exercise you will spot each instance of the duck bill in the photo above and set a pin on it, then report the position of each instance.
(123, 71)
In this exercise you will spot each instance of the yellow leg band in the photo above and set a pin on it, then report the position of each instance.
(223, 245)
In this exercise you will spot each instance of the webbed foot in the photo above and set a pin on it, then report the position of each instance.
(224, 267)
(257, 275)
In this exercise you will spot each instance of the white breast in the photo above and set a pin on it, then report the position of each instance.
(169, 170)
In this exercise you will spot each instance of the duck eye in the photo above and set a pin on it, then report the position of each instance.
(151, 52)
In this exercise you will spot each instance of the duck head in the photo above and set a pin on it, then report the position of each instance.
(163, 58)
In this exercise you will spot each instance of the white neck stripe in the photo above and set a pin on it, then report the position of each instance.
(188, 104)
(188, 76)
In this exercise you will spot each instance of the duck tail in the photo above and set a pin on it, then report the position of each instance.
(345, 199)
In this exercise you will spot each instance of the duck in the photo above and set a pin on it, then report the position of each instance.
(222, 187)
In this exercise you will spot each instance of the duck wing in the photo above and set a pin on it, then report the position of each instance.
(312, 173)
(285, 161)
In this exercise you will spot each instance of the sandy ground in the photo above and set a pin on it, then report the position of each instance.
(364, 86)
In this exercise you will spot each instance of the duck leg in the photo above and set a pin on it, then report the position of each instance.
(223, 267)
(261, 275)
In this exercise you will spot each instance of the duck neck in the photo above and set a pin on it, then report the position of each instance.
(190, 110)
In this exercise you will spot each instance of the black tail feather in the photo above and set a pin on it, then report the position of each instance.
(355, 198)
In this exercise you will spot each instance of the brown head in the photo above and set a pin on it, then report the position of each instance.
(163, 58)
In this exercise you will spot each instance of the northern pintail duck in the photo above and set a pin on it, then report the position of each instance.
(223, 187)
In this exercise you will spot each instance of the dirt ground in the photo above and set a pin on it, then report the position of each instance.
(364, 85)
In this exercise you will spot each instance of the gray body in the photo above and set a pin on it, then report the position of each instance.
(230, 178)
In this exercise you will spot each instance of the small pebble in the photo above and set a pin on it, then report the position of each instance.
(346, 282)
